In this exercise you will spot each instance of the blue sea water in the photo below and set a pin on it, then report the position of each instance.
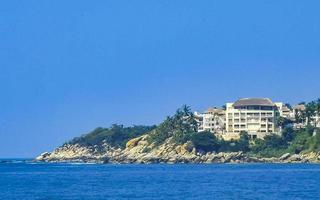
(42, 181)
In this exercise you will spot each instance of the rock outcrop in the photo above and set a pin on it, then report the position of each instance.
(139, 150)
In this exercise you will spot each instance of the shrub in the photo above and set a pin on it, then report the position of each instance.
(205, 141)
(116, 135)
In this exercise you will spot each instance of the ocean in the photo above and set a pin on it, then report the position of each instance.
(26, 180)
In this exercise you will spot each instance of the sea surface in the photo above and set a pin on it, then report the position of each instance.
(26, 180)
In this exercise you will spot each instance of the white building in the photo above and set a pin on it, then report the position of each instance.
(256, 116)
(212, 120)
(317, 121)
(284, 110)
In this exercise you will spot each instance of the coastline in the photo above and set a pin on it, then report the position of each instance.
(164, 154)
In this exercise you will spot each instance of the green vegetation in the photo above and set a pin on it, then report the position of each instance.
(182, 127)
(179, 126)
(273, 145)
(291, 141)
(311, 109)
(116, 135)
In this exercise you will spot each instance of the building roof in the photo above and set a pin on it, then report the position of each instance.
(254, 102)
(215, 111)
(285, 108)
(299, 107)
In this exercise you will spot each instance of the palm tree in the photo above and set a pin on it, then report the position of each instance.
(184, 120)
(297, 116)
(281, 122)
(318, 110)
(186, 110)
(317, 106)
(288, 106)
(310, 111)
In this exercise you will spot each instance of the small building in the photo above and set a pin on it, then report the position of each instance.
(212, 120)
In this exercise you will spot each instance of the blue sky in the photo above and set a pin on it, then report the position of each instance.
(67, 67)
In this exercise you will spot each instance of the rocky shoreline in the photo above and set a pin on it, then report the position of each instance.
(138, 150)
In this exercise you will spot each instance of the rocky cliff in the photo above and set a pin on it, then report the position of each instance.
(139, 150)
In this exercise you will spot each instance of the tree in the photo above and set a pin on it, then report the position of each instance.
(274, 141)
(185, 120)
(288, 134)
(283, 122)
(318, 106)
(300, 116)
(318, 110)
(288, 106)
(205, 141)
(310, 111)
(243, 142)
(179, 126)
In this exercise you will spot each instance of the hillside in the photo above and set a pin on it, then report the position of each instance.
(176, 141)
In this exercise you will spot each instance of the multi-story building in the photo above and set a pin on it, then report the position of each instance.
(284, 110)
(256, 116)
(213, 120)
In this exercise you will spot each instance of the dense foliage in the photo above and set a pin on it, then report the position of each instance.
(273, 145)
(182, 127)
(291, 141)
(179, 127)
(207, 141)
(116, 135)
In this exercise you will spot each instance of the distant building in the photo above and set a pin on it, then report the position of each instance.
(284, 110)
(256, 116)
(300, 120)
(212, 120)
(317, 121)
(199, 117)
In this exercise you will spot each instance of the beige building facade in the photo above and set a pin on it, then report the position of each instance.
(256, 116)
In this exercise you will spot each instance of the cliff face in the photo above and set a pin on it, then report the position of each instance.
(139, 150)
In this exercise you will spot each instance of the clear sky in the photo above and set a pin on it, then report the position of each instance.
(67, 67)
